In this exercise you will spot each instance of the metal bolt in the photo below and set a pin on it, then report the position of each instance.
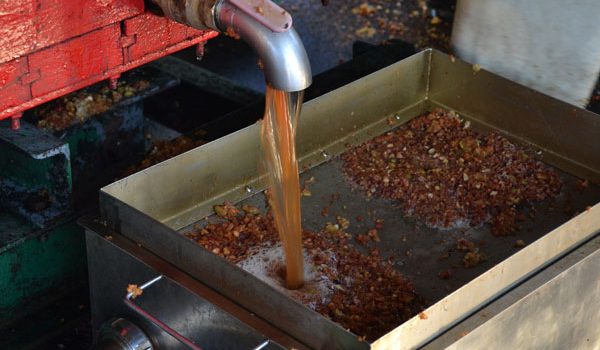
(113, 82)
(200, 51)
(15, 121)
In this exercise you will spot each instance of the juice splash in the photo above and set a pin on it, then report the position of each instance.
(278, 139)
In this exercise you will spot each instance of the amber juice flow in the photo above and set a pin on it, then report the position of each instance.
(278, 138)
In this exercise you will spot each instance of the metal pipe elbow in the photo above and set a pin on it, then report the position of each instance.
(285, 63)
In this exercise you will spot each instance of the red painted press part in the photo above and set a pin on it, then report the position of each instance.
(15, 121)
(50, 48)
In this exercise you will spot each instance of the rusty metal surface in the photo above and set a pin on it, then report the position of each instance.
(195, 13)
(152, 205)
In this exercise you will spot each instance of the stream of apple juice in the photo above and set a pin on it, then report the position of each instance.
(278, 140)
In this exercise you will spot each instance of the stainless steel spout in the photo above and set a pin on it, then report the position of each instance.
(265, 26)
(284, 60)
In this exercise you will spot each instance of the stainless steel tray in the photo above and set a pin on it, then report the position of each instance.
(155, 206)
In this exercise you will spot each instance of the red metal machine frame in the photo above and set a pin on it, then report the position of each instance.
(49, 48)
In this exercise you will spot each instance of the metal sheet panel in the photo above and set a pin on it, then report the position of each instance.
(491, 284)
(545, 318)
(198, 179)
(150, 206)
(187, 306)
(533, 42)
(499, 305)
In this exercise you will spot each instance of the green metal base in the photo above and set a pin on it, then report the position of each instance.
(62, 322)
(33, 261)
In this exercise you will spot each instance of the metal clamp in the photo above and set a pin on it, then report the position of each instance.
(266, 13)
(140, 311)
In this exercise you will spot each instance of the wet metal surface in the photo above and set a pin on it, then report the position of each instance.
(149, 206)
(189, 307)
(419, 251)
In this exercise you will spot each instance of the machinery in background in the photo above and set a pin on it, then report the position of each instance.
(53, 162)
(153, 124)
(535, 43)
(79, 61)
(51, 48)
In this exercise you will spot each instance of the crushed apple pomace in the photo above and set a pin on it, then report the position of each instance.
(134, 290)
(448, 175)
(367, 296)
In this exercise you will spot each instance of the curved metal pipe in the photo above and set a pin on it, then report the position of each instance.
(285, 62)
(262, 24)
